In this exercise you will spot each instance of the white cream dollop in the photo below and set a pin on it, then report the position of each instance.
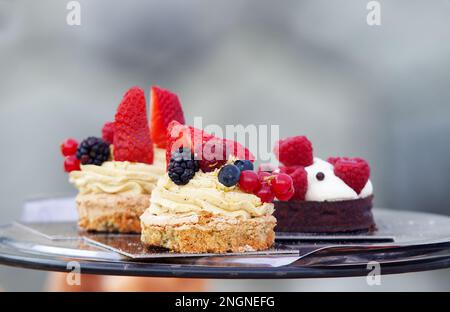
(367, 190)
(331, 188)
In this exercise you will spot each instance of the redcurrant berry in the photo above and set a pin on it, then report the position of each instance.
(281, 184)
(249, 181)
(71, 163)
(286, 196)
(264, 177)
(265, 194)
(69, 147)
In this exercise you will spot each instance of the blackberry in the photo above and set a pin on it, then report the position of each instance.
(93, 151)
(182, 166)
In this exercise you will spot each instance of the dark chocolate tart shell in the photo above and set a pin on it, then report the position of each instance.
(325, 217)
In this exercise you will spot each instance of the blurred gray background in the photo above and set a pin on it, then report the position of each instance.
(313, 67)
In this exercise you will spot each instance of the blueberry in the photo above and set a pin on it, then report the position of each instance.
(229, 175)
(244, 165)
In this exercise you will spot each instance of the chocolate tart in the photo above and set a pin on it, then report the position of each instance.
(325, 217)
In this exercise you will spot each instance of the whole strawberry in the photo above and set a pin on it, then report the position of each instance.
(294, 151)
(300, 180)
(132, 140)
(355, 172)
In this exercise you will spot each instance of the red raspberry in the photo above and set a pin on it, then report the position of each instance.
(294, 151)
(355, 172)
(333, 160)
(132, 140)
(71, 163)
(108, 132)
(69, 147)
(300, 180)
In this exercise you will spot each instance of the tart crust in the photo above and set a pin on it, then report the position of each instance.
(212, 234)
(111, 212)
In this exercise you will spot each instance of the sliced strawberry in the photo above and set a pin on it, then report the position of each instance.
(355, 172)
(185, 136)
(178, 135)
(239, 151)
(132, 140)
(200, 143)
(165, 108)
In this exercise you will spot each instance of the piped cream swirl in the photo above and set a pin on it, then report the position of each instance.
(204, 193)
(114, 177)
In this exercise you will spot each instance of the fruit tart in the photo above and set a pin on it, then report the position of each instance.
(210, 200)
(329, 196)
(116, 174)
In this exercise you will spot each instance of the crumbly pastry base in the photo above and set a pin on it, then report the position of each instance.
(111, 212)
(212, 235)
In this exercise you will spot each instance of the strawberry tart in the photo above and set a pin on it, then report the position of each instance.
(329, 196)
(116, 174)
(210, 200)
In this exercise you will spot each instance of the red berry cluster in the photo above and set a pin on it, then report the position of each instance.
(267, 185)
(69, 150)
(295, 153)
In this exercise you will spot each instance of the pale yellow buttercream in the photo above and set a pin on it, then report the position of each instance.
(115, 177)
(204, 193)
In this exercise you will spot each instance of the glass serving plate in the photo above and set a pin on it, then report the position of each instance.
(405, 242)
